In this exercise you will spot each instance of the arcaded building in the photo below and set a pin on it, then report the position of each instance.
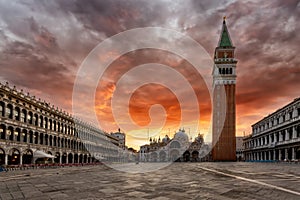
(275, 137)
(28, 125)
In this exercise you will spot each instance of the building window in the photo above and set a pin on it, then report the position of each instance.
(17, 114)
(2, 132)
(2, 109)
(291, 115)
(23, 115)
(9, 111)
(36, 119)
(10, 133)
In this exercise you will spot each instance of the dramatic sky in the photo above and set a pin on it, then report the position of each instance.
(44, 43)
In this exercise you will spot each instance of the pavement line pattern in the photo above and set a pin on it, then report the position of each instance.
(251, 180)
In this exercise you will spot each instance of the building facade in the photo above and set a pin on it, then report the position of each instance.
(28, 125)
(178, 149)
(239, 148)
(224, 76)
(121, 138)
(275, 137)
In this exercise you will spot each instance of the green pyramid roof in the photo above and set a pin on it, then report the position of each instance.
(225, 40)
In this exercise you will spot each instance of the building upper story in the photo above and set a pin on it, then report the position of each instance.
(278, 129)
(283, 116)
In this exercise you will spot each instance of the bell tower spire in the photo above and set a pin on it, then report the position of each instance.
(225, 40)
(224, 75)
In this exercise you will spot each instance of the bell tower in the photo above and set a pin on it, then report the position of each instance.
(224, 80)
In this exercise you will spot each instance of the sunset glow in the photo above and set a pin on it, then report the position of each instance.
(44, 44)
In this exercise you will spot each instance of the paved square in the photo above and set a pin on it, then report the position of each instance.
(176, 181)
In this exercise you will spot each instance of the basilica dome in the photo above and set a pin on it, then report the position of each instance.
(181, 136)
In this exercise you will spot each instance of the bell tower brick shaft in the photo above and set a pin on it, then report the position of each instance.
(224, 76)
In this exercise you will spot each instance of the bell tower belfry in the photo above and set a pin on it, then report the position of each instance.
(224, 81)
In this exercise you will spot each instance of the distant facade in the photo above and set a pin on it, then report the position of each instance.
(28, 125)
(275, 137)
(224, 76)
(121, 138)
(239, 148)
(178, 149)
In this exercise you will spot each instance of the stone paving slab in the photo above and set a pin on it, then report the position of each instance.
(177, 181)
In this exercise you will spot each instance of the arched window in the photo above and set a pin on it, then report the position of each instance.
(17, 113)
(62, 142)
(227, 71)
(46, 123)
(66, 130)
(223, 71)
(2, 131)
(36, 137)
(50, 140)
(58, 126)
(2, 156)
(41, 138)
(42, 122)
(9, 111)
(10, 133)
(23, 115)
(54, 141)
(36, 119)
(54, 125)
(230, 70)
(14, 159)
(2, 106)
(62, 128)
(24, 135)
(30, 117)
(58, 142)
(31, 137)
(46, 139)
(50, 124)
(175, 144)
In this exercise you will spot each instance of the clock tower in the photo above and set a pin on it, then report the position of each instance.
(224, 111)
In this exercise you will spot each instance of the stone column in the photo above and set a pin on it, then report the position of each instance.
(287, 136)
(274, 154)
(275, 138)
(6, 159)
(279, 154)
(293, 153)
(38, 138)
(280, 136)
(294, 132)
(67, 159)
(60, 158)
(269, 155)
(286, 155)
(21, 159)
